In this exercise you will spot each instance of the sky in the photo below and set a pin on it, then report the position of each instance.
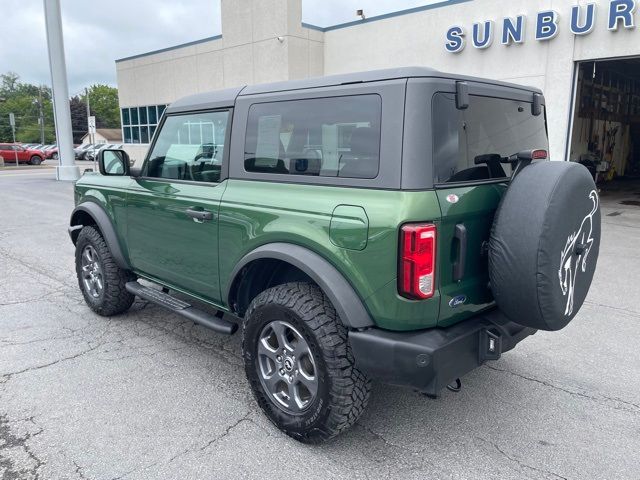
(97, 32)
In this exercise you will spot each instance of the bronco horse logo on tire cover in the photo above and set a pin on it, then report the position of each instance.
(568, 266)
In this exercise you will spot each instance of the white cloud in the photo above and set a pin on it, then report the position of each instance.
(96, 33)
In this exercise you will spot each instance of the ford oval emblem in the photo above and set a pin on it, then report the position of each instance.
(457, 301)
(453, 198)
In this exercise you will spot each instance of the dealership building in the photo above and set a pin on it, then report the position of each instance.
(584, 55)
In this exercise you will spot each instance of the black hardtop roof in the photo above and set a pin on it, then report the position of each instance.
(227, 97)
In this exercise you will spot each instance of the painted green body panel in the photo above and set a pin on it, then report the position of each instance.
(355, 229)
(111, 194)
(166, 244)
(474, 210)
(254, 213)
(349, 227)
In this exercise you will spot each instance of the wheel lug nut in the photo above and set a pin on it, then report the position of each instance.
(282, 371)
(279, 358)
(291, 378)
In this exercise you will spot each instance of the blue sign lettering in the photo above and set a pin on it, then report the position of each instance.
(582, 22)
(455, 40)
(589, 22)
(547, 25)
(487, 37)
(513, 30)
(621, 10)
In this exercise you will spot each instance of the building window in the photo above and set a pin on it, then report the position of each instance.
(139, 123)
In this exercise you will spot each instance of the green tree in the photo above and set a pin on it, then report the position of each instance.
(103, 101)
(78, 118)
(8, 82)
(23, 100)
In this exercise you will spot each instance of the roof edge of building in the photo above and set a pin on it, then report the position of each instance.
(174, 47)
(408, 11)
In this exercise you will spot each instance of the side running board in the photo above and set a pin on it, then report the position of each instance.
(214, 322)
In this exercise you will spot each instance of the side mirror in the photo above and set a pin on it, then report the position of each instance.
(113, 162)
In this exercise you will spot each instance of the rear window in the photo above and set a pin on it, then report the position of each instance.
(466, 143)
(328, 137)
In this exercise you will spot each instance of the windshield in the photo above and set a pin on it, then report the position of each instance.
(469, 143)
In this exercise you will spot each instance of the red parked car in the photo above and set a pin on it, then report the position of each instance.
(25, 155)
(51, 153)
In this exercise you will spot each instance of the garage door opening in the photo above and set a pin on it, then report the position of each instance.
(606, 123)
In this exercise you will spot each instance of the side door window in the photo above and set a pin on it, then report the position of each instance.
(189, 147)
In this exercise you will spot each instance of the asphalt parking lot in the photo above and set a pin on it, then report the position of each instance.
(149, 395)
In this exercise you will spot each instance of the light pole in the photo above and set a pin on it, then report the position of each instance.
(67, 169)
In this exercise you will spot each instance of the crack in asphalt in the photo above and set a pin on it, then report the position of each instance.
(192, 449)
(79, 471)
(635, 408)
(31, 268)
(403, 449)
(632, 313)
(519, 462)
(228, 430)
(33, 300)
(10, 441)
(9, 375)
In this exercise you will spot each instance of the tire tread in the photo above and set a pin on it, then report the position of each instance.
(349, 388)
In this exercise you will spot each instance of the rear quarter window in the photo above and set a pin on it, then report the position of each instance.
(327, 137)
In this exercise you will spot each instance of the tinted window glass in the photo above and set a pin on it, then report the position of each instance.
(134, 116)
(153, 118)
(329, 137)
(143, 115)
(489, 126)
(189, 147)
(125, 117)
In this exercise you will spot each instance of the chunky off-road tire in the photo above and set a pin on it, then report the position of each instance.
(112, 298)
(342, 390)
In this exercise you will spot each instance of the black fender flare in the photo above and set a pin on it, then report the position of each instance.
(102, 220)
(345, 300)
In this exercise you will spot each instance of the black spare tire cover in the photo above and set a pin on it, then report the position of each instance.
(544, 244)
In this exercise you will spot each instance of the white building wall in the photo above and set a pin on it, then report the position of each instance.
(265, 40)
(419, 39)
(262, 41)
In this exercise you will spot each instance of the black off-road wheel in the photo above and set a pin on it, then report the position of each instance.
(101, 280)
(299, 363)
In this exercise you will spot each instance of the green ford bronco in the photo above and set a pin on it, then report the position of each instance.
(399, 225)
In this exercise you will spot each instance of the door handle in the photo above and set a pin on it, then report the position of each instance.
(460, 234)
(199, 215)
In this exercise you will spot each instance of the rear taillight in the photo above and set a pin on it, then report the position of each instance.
(416, 278)
(539, 155)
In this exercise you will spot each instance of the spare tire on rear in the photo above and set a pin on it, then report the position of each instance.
(544, 244)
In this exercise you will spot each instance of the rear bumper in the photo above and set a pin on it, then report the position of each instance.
(429, 360)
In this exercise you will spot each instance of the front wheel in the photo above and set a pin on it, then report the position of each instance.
(101, 280)
(299, 363)
(35, 160)
(55, 156)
